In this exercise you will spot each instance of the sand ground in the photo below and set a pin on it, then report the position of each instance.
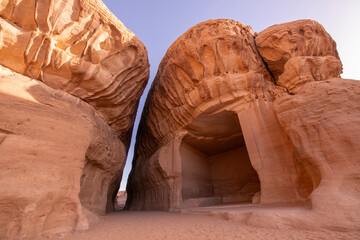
(163, 225)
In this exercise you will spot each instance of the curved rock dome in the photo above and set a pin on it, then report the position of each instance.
(236, 117)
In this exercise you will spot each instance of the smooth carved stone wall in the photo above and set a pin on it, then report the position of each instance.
(299, 129)
(60, 162)
(196, 173)
(234, 178)
(77, 46)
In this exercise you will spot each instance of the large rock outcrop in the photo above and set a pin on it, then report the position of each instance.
(322, 121)
(279, 43)
(234, 116)
(211, 75)
(70, 82)
(80, 47)
(58, 158)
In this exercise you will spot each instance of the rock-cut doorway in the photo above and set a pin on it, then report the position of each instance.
(216, 168)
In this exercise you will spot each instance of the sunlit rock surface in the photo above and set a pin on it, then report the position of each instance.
(212, 94)
(301, 70)
(322, 121)
(77, 46)
(236, 117)
(59, 160)
(281, 42)
(71, 76)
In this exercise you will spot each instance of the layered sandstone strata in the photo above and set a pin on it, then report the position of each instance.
(70, 82)
(77, 46)
(211, 94)
(322, 122)
(234, 118)
(279, 43)
(59, 159)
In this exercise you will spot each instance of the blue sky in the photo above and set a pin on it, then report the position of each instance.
(158, 23)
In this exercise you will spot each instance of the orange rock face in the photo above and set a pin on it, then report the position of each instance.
(203, 74)
(235, 117)
(202, 65)
(278, 43)
(322, 121)
(71, 76)
(301, 70)
(59, 160)
(212, 75)
(78, 47)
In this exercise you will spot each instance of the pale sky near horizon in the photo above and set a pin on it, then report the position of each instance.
(158, 23)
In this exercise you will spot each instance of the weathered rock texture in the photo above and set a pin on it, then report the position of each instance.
(49, 141)
(221, 125)
(70, 81)
(279, 43)
(322, 121)
(77, 46)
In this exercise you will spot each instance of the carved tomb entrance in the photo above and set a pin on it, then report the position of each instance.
(215, 163)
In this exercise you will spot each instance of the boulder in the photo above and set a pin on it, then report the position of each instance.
(301, 70)
(279, 43)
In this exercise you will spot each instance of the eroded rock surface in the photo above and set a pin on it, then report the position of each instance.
(59, 160)
(222, 126)
(211, 75)
(301, 70)
(213, 60)
(322, 121)
(278, 43)
(71, 76)
(77, 46)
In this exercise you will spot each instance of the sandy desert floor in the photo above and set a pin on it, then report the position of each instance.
(163, 225)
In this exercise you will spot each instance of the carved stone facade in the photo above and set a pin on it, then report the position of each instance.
(231, 118)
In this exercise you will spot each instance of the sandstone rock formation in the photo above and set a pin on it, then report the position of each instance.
(322, 121)
(49, 141)
(77, 46)
(212, 74)
(301, 70)
(279, 43)
(70, 81)
(234, 116)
